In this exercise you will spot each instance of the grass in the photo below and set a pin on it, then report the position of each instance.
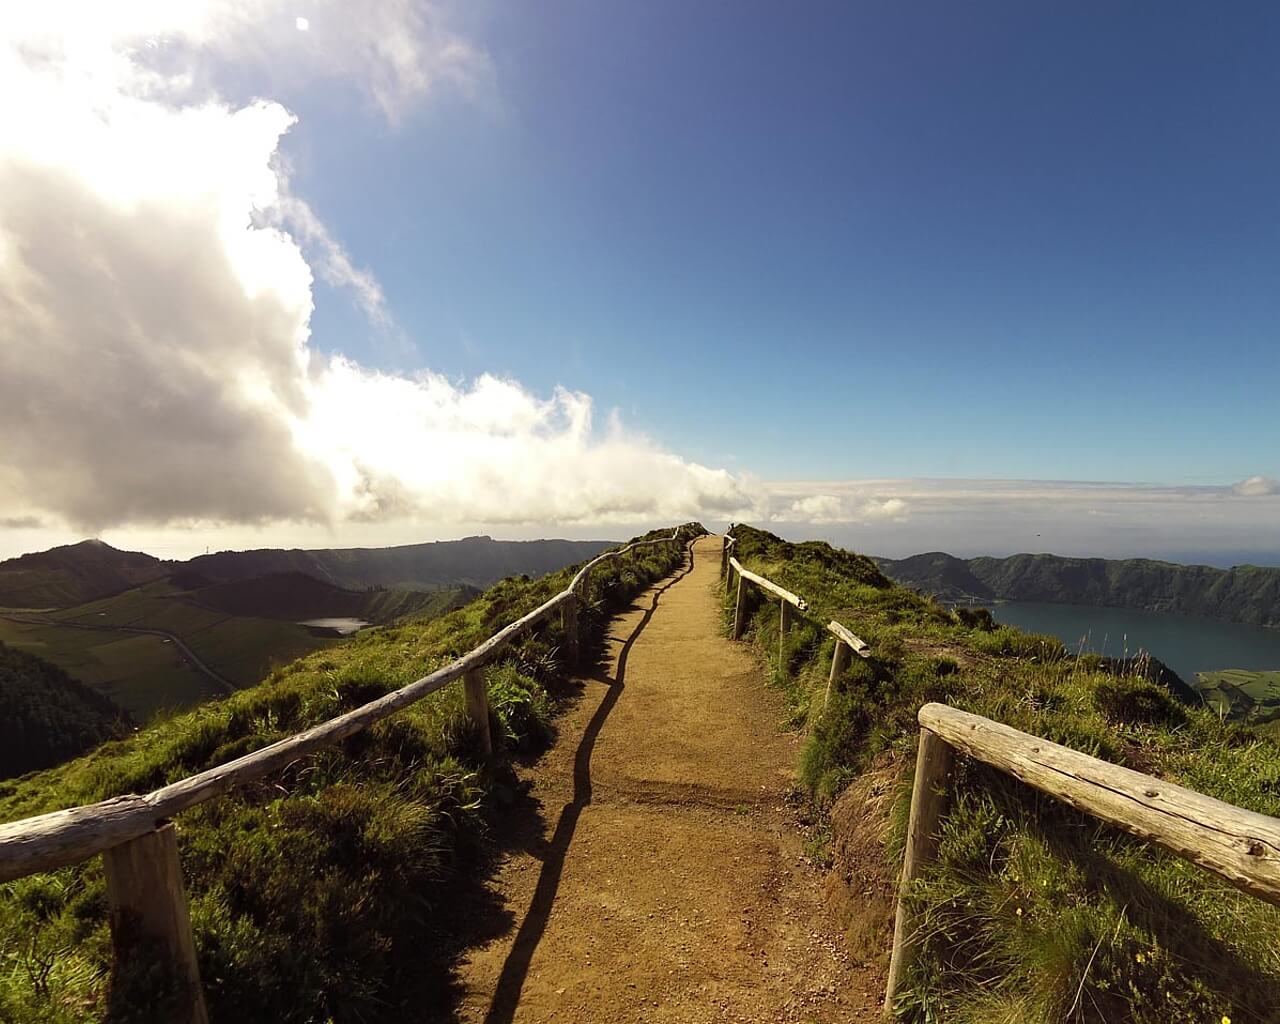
(317, 894)
(1034, 913)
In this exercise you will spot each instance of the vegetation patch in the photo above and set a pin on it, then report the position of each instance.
(1033, 913)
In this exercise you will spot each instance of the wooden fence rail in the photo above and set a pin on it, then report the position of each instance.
(1240, 846)
(846, 643)
(144, 879)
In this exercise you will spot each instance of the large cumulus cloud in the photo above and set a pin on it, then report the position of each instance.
(156, 295)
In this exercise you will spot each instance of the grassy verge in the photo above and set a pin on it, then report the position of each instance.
(315, 895)
(1034, 913)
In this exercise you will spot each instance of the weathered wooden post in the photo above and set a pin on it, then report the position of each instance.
(784, 621)
(476, 691)
(569, 624)
(148, 902)
(740, 608)
(724, 556)
(928, 803)
(839, 662)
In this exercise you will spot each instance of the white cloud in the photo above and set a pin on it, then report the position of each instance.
(1256, 486)
(822, 509)
(156, 295)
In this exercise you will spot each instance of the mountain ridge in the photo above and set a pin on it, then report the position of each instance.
(1243, 593)
(74, 574)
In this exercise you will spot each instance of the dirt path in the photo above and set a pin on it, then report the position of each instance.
(665, 881)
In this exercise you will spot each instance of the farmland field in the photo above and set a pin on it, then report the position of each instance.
(1242, 696)
(142, 674)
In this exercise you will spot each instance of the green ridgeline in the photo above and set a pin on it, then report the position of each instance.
(1035, 914)
(322, 893)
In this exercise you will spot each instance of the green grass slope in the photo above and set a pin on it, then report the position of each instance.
(295, 596)
(46, 717)
(73, 574)
(1246, 593)
(1034, 914)
(319, 894)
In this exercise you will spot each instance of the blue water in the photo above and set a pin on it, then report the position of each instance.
(1186, 643)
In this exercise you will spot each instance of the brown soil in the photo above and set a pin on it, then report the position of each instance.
(664, 878)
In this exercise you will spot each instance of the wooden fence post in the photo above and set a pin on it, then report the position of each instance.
(784, 621)
(476, 691)
(724, 556)
(569, 623)
(928, 803)
(148, 901)
(839, 662)
(740, 609)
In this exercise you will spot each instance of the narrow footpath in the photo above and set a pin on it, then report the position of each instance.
(667, 882)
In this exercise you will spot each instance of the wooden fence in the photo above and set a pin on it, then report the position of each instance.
(139, 846)
(1240, 846)
(847, 644)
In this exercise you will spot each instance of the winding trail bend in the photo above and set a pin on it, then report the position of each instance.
(663, 878)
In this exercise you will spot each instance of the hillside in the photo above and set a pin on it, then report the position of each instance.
(1035, 914)
(157, 636)
(73, 574)
(294, 596)
(474, 561)
(1245, 593)
(323, 893)
(46, 717)
(160, 647)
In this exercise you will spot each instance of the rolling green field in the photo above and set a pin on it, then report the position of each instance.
(142, 674)
(1242, 696)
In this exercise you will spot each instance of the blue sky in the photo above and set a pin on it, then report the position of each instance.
(986, 277)
(878, 239)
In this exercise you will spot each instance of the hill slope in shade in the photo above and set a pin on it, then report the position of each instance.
(295, 596)
(46, 717)
(474, 561)
(73, 574)
(1245, 593)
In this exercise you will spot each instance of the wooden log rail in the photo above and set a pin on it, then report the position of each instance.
(846, 643)
(1240, 846)
(144, 878)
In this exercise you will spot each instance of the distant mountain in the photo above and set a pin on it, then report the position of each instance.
(46, 717)
(73, 574)
(1246, 593)
(155, 635)
(474, 561)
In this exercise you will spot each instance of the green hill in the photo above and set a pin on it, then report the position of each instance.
(294, 596)
(1246, 593)
(323, 893)
(46, 717)
(474, 561)
(73, 574)
(1034, 912)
